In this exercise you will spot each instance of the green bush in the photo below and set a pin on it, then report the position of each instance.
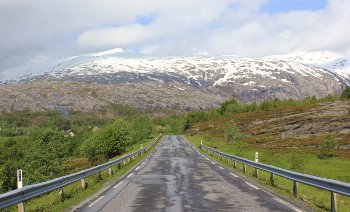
(46, 157)
(229, 107)
(109, 141)
(232, 133)
(297, 163)
(346, 93)
(142, 129)
(208, 137)
(328, 148)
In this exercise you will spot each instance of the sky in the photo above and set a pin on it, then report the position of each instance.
(36, 31)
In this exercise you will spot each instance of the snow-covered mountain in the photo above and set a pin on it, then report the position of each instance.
(112, 66)
(332, 61)
(249, 79)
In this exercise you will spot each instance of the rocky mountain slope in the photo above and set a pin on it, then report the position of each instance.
(289, 128)
(87, 97)
(186, 83)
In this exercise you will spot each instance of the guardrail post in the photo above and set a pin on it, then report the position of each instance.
(234, 164)
(272, 179)
(295, 188)
(83, 183)
(333, 201)
(141, 150)
(244, 168)
(256, 160)
(201, 144)
(20, 185)
(61, 192)
(110, 171)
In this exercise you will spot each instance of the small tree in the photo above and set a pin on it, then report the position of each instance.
(346, 93)
(328, 148)
(232, 133)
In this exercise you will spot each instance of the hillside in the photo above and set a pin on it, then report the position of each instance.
(93, 97)
(304, 128)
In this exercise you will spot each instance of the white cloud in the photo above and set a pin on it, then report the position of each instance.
(119, 36)
(33, 28)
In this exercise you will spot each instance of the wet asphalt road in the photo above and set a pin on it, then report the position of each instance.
(178, 178)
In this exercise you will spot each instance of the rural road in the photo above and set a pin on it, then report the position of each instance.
(178, 178)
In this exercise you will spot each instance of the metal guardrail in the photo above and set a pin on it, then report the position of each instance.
(31, 191)
(324, 183)
(333, 186)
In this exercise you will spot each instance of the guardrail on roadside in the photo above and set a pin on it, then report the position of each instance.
(333, 186)
(31, 191)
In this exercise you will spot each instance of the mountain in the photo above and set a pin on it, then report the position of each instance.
(332, 61)
(92, 81)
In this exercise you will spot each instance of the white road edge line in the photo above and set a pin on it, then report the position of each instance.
(213, 163)
(287, 204)
(233, 175)
(130, 175)
(221, 167)
(137, 168)
(94, 202)
(116, 186)
(253, 186)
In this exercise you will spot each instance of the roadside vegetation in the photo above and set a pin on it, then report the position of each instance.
(47, 145)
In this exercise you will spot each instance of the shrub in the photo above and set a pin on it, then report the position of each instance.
(297, 163)
(142, 129)
(328, 148)
(110, 141)
(346, 93)
(232, 133)
(208, 137)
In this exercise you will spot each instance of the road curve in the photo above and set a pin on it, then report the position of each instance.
(178, 178)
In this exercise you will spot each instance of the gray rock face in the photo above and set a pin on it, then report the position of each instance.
(185, 83)
(67, 96)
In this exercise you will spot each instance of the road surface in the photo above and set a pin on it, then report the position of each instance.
(175, 177)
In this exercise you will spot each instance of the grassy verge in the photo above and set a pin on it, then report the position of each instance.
(334, 168)
(74, 194)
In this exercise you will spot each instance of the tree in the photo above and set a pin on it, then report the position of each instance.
(8, 176)
(11, 159)
(346, 93)
(229, 106)
(232, 133)
(110, 141)
(45, 157)
(142, 129)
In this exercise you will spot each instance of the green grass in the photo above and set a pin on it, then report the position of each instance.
(333, 168)
(75, 194)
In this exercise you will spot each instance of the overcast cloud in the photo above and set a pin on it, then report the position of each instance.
(33, 31)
